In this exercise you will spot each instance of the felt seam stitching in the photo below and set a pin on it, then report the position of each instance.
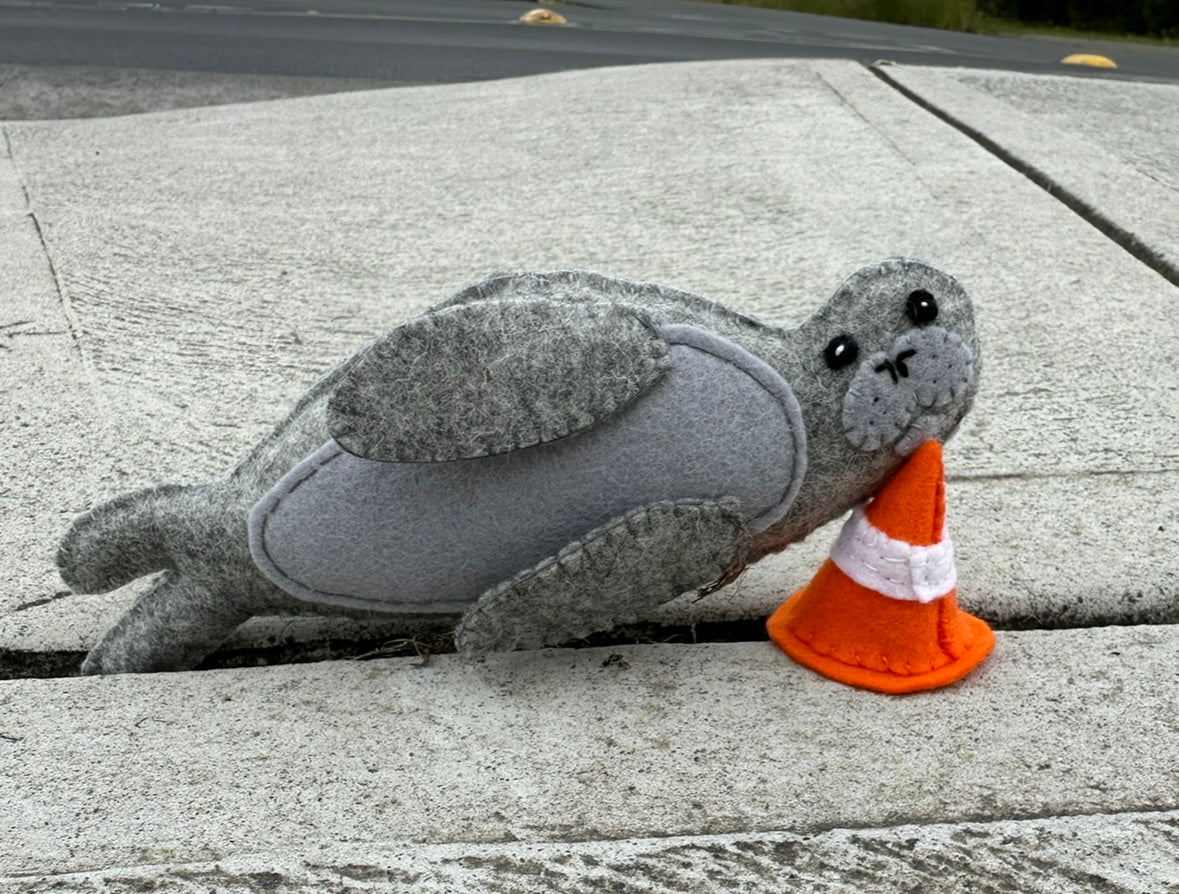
(688, 336)
(857, 659)
(656, 350)
(636, 523)
(605, 283)
(260, 521)
(643, 364)
(639, 513)
(894, 568)
(772, 384)
(259, 548)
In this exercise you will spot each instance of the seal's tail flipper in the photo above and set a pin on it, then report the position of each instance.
(118, 541)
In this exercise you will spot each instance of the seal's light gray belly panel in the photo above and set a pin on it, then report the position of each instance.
(350, 531)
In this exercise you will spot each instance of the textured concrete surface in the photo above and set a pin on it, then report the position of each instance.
(1110, 144)
(201, 287)
(1132, 853)
(574, 745)
(1028, 555)
(52, 429)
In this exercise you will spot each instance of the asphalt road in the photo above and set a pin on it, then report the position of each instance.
(436, 41)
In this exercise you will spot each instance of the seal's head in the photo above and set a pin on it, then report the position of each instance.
(891, 361)
(899, 347)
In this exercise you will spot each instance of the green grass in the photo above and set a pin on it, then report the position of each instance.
(985, 24)
(956, 15)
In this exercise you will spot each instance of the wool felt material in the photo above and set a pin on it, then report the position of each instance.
(649, 555)
(544, 371)
(494, 378)
(369, 534)
(927, 367)
(895, 568)
(841, 627)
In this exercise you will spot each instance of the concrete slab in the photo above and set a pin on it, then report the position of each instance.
(573, 745)
(1130, 853)
(212, 279)
(53, 427)
(1108, 143)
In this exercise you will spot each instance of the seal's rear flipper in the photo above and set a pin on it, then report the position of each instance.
(118, 541)
(612, 576)
(171, 627)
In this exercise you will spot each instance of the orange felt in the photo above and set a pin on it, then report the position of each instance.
(912, 504)
(853, 634)
(857, 636)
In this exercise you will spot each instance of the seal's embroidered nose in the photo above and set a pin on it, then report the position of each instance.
(919, 380)
(882, 611)
(896, 367)
(899, 363)
(887, 366)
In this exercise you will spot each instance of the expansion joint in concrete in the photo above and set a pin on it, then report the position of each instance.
(62, 295)
(1061, 475)
(1091, 215)
(72, 320)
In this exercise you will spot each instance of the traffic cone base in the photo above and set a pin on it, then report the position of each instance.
(882, 644)
(882, 611)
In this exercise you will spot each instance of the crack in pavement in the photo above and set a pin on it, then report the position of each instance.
(1087, 212)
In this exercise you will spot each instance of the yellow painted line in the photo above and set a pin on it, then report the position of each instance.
(1090, 59)
(543, 17)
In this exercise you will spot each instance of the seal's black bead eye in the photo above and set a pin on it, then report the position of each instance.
(841, 351)
(921, 307)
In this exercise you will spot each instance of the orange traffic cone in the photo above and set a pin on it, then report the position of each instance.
(882, 611)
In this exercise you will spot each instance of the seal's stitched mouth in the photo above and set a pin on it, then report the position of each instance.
(919, 430)
(908, 393)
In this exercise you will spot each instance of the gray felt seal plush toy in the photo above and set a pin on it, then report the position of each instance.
(549, 454)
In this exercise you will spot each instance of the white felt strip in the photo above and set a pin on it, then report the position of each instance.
(893, 567)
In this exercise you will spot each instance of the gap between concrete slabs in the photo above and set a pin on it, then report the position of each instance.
(1127, 853)
(1055, 573)
(1132, 206)
(574, 745)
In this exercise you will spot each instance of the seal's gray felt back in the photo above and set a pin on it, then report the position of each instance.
(399, 536)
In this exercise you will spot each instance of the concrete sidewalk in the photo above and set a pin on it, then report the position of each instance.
(179, 278)
(560, 748)
(1105, 148)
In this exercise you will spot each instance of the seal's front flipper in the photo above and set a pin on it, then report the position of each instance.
(486, 379)
(612, 576)
(171, 627)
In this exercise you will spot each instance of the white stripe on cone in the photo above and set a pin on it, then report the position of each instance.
(894, 568)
